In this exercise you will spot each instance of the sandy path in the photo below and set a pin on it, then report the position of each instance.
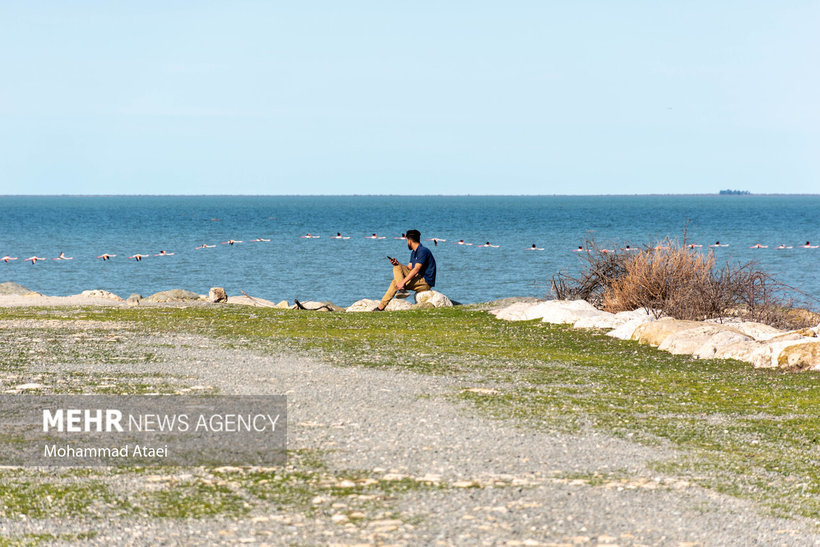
(389, 421)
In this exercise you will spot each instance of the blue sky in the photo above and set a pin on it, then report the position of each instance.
(517, 97)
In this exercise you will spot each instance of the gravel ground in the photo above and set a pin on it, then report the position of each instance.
(495, 482)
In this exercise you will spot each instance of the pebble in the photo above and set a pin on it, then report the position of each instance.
(29, 387)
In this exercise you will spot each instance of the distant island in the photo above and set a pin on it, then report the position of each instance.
(734, 192)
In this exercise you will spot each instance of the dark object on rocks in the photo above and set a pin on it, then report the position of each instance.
(134, 299)
(316, 306)
(10, 288)
(217, 295)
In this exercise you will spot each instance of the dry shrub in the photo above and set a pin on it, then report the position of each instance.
(598, 272)
(660, 279)
(671, 279)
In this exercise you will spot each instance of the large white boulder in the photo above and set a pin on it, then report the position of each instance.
(435, 298)
(550, 311)
(399, 305)
(580, 313)
(758, 331)
(606, 320)
(99, 293)
(514, 312)
(562, 311)
(632, 320)
(625, 331)
(761, 354)
(656, 332)
(690, 341)
(709, 348)
(802, 356)
(600, 320)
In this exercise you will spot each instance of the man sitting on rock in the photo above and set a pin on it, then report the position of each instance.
(419, 275)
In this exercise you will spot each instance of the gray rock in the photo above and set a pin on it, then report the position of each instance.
(134, 299)
(174, 295)
(217, 295)
(10, 288)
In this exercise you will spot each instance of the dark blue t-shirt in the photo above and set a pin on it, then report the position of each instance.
(423, 256)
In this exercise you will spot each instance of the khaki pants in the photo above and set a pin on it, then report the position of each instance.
(416, 284)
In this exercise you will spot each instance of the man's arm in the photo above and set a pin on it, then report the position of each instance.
(413, 273)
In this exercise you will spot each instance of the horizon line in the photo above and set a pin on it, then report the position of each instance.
(751, 194)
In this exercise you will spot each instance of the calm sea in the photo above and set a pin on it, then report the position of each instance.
(345, 270)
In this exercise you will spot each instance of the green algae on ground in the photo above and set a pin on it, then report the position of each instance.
(305, 486)
(750, 433)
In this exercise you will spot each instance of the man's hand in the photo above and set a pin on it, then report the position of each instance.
(413, 273)
(394, 262)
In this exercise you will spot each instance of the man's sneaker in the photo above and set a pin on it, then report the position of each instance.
(403, 293)
(377, 309)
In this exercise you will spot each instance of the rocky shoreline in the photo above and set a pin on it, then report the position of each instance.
(761, 345)
(13, 294)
